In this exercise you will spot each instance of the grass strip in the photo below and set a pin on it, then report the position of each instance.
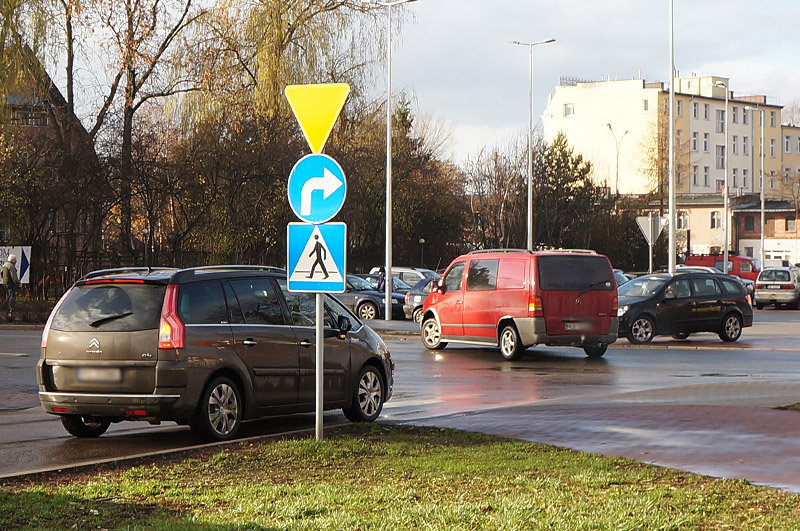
(394, 477)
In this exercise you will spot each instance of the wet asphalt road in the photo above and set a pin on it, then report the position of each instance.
(669, 403)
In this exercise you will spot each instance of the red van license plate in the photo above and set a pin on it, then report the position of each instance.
(578, 325)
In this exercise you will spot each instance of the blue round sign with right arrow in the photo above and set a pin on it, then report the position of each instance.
(316, 188)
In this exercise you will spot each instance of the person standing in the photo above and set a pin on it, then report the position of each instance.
(10, 282)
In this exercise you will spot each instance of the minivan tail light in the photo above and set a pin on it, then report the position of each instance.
(171, 332)
(46, 330)
(535, 307)
(614, 305)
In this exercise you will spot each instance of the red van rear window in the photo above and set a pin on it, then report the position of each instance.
(575, 273)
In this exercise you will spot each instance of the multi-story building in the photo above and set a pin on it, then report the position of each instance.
(622, 127)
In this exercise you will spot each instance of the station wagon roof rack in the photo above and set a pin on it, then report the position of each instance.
(103, 272)
(479, 251)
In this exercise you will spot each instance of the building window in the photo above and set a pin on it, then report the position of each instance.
(787, 148)
(716, 219)
(748, 251)
(695, 110)
(705, 142)
(569, 109)
(772, 179)
(772, 118)
(720, 157)
(679, 175)
(720, 121)
(749, 223)
(645, 104)
(790, 225)
(706, 176)
(744, 178)
(706, 111)
(735, 116)
(735, 178)
(735, 144)
(694, 141)
(694, 176)
(745, 144)
(745, 117)
(680, 107)
(772, 147)
(798, 143)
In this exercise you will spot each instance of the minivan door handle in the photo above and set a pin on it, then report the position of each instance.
(459, 302)
(305, 343)
(250, 342)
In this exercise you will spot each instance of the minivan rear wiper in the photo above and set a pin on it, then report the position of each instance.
(593, 285)
(108, 318)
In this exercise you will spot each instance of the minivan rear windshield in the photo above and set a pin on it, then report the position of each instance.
(117, 307)
(575, 273)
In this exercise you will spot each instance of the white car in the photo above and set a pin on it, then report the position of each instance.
(778, 286)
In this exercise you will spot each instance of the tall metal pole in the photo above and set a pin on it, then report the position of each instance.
(672, 242)
(618, 142)
(761, 117)
(388, 267)
(725, 186)
(319, 357)
(530, 148)
(530, 46)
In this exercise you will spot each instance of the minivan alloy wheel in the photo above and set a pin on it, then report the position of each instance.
(510, 344)
(432, 335)
(220, 411)
(367, 398)
(367, 311)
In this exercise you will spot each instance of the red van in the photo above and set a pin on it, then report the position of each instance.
(740, 266)
(514, 299)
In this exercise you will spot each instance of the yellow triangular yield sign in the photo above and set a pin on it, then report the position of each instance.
(316, 108)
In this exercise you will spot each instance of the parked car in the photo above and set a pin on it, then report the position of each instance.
(367, 302)
(748, 284)
(682, 304)
(208, 347)
(416, 298)
(779, 286)
(514, 299)
(398, 286)
(741, 266)
(409, 275)
(620, 277)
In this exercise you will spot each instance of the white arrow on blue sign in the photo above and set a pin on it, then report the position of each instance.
(316, 257)
(316, 188)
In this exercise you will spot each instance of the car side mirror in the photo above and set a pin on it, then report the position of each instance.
(439, 287)
(344, 326)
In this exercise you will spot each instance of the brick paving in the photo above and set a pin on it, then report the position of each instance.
(761, 445)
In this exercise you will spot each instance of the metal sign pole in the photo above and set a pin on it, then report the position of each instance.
(650, 242)
(318, 363)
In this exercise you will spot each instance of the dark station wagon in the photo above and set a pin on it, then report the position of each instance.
(207, 347)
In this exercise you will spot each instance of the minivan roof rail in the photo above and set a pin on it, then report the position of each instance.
(103, 272)
(479, 251)
(562, 250)
(203, 269)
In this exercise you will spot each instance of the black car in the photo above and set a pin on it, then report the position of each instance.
(679, 305)
(368, 303)
(416, 298)
(208, 347)
(398, 286)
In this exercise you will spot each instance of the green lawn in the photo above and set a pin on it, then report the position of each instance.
(389, 477)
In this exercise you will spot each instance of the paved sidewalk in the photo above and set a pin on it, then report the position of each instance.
(757, 444)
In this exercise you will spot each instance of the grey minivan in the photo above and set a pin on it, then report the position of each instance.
(208, 347)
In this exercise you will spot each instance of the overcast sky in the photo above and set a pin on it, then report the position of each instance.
(454, 58)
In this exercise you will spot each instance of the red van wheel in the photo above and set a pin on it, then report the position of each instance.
(510, 344)
(432, 335)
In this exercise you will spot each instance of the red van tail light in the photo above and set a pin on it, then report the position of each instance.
(614, 305)
(46, 331)
(535, 307)
(171, 331)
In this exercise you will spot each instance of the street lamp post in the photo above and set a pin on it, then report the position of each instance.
(761, 185)
(672, 255)
(388, 266)
(422, 252)
(618, 142)
(725, 184)
(530, 46)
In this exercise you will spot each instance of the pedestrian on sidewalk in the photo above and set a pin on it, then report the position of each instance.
(10, 283)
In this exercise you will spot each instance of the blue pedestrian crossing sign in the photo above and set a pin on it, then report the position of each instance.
(316, 257)
(316, 188)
